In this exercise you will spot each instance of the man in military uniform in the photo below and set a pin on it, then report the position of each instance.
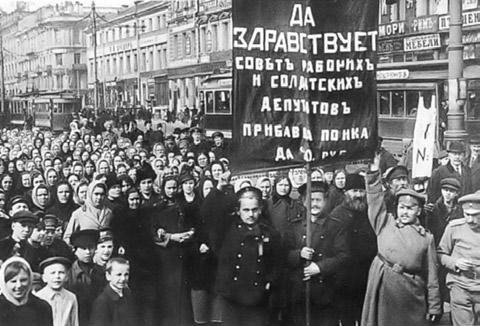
(247, 263)
(319, 263)
(396, 178)
(459, 253)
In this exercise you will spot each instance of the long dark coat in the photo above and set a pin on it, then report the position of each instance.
(173, 289)
(109, 309)
(35, 312)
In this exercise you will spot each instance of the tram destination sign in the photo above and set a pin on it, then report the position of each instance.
(304, 82)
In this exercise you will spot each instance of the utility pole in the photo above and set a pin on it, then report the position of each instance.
(95, 72)
(457, 85)
(137, 31)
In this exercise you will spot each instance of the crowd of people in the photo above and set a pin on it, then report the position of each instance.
(118, 226)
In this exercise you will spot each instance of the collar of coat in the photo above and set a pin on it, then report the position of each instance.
(416, 226)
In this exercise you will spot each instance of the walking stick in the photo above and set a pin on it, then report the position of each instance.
(308, 239)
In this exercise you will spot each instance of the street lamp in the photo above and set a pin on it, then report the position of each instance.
(457, 85)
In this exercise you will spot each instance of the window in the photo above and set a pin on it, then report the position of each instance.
(59, 59)
(188, 44)
(384, 103)
(209, 99)
(128, 64)
(397, 103)
(209, 47)
(76, 58)
(222, 102)
(473, 100)
(135, 63)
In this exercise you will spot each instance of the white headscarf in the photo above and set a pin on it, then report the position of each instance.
(3, 285)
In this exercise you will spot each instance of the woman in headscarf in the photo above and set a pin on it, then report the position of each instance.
(89, 169)
(62, 204)
(172, 236)
(133, 238)
(80, 193)
(265, 186)
(51, 177)
(336, 191)
(64, 151)
(40, 198)
(6, 183)
(281, 208)
(94, 214)
(18, 306)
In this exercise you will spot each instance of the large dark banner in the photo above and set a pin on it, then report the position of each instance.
(304, 81)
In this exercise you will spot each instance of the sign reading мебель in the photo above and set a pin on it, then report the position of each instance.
(421, 42)
(304, 81)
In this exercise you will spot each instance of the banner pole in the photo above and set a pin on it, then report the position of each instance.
(308, 239)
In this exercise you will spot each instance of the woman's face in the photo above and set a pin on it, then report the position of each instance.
(73, 180)
(133, 200)
(42, 196)
(52, 178)
(38, 161)
(265, 187)
(340, 180)
(78, 170)
(105, 250)
(132, 173)
(30, 166)
(7, 183)
(159, 151)
(98, 196)
(57, 165)
(65, 148)
(283, 187)
(202, 160)
(63, 193)
(26, 181)
(188, 187)
(38, 180)
(18, 285)
(103, 168)
(11, 167)
(76, 155)
(116, 161)
(85, 156)
(217, 171)
(170, 188)
(207, 187)
(89, 168)
(82, 193)
(20, 166)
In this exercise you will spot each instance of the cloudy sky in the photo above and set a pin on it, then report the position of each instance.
(9, 5)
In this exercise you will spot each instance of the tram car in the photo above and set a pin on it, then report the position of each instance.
(216, 104)
(51, 111)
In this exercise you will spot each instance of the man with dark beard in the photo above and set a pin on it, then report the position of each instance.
(362, 243)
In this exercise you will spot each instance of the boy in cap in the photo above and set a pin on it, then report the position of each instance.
(85, 279)
(55, 246)
(22, 227)
(220, 148)
(17, 204)
(320, 262)
(454, 169)
(445, 209)
(115, 305)
(459, 254)
(63, 302)
(104, 249)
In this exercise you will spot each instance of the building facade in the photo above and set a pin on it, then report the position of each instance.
(413, 62)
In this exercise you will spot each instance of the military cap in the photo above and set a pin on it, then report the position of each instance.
(24, 217)
(195, 129)
(396, 172)
(317, 186)
(354, 181)
(470, 203)
(105, 235)
(55, 260)
(442, 154)
(84, 238)
(474, 140)
(451, 183)
(15, 200)
(412, 193)
(456, 147)
(50, 221)
(218, 134)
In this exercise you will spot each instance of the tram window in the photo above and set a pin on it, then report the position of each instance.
(473, 100)
(209, 100)
(385, 103)
(412, 103)
(398, 103)
(222, 102)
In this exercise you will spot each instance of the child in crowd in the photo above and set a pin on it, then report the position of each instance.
(115, 306)
(63, 302)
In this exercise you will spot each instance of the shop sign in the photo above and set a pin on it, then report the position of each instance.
(424, 24)
(388, 46)
(391, 29)
(470, 18)
(422, 42)
(469, 4)
(393, 74)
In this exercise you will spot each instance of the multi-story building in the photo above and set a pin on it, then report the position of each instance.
(131, 48)
(200, 45)
(413, 62)
(45, 50)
